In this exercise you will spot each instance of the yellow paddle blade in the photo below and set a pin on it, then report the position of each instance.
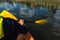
(1, 28)
(7, 14)
(42, 21)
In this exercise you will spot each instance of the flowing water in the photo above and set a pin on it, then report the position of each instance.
(39, 32)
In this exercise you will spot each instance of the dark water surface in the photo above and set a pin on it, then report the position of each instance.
(39, 32)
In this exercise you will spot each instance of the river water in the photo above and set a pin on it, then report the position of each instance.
(39, 32)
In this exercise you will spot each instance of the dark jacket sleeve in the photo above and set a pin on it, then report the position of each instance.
(21, 29)
(16, 26)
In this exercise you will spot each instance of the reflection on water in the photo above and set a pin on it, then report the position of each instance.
(22, 10)
(57, 15)
(31, 14)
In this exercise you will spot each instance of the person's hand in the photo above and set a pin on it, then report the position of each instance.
(21, 21)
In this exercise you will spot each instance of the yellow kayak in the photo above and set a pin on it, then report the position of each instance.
(7, 14)
(41, 21)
